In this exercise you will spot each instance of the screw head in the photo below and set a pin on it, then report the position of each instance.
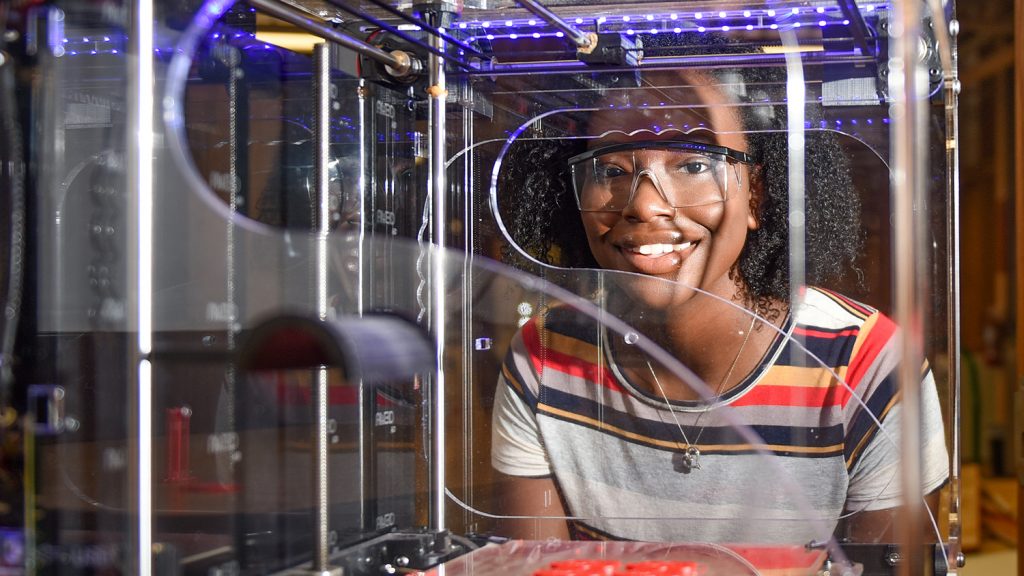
(893, 558)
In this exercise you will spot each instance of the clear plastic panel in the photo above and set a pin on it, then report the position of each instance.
(616, 386)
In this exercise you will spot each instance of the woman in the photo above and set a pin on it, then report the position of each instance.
(682, 188)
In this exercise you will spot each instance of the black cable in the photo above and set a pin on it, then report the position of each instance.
(12, 176)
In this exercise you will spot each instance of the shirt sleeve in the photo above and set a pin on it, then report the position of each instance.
(875, 482)
(516, 446)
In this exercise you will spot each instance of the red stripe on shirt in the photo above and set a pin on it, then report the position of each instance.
(811, 396)
(874, 342)
(544, 358)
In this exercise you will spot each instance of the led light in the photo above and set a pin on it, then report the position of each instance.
(625, 18)
(746, 13)
(65, 40)
(725, 28)
(513, 36)
(508, 22)
(698, 15)
(85, 39)
(771, 12)
(106, 38)
(821, 23)
(870, 8)
(536, 34)
(674, 16)
(821, 9)
(700, 29)
(630, 32)
(846, 22)
(654, 30)
(750, 26)
(490, 36)
(795, 11)
(602, 20)
(722, 14)
(531, 22)
(485, 24)
(774, 26)
(114, 51)
(677, 30)
(462, 25)
(559, 35)
(796, 25)
(579, 20)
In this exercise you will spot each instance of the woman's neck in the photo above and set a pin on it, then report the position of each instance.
(719, 342)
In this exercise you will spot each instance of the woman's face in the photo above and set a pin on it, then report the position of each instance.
(694, 246)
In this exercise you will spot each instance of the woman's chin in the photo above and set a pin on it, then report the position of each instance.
(651, 292)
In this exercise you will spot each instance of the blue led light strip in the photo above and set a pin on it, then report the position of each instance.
(733, 19)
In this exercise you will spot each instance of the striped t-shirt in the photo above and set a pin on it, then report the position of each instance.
(784, 454)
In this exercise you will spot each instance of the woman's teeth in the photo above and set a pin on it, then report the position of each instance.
(660, 249)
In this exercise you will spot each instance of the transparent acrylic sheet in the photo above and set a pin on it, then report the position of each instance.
(265, 299)
(658, 116)
(758, 485)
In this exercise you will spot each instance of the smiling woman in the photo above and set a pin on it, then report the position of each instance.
(677, 190)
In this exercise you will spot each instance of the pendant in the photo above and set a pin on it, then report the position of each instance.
(687, 461)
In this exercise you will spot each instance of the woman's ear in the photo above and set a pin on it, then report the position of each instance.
(756, 198)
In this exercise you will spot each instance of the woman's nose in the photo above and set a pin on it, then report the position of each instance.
(647, 200)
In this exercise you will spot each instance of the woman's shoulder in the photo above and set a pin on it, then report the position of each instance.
(830, 310)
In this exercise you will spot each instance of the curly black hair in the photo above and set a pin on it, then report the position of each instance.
(538, 205)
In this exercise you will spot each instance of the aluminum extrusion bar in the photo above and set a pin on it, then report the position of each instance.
(718, 61)
(578, 38)
(298, 18)
(857, 26)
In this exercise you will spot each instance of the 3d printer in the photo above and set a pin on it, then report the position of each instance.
(259, 295)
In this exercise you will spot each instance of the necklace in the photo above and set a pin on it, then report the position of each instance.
(688, 459)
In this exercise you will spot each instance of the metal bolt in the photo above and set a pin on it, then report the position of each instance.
(954, 27)
(961, 560)
(402, 561)
(893, 558)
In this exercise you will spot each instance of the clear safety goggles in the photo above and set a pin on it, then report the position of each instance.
(686, 174)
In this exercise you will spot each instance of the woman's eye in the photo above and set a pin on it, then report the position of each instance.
(694, 167)
(605, 171)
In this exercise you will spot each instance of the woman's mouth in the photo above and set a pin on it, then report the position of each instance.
(656, 250)
(659, 258)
